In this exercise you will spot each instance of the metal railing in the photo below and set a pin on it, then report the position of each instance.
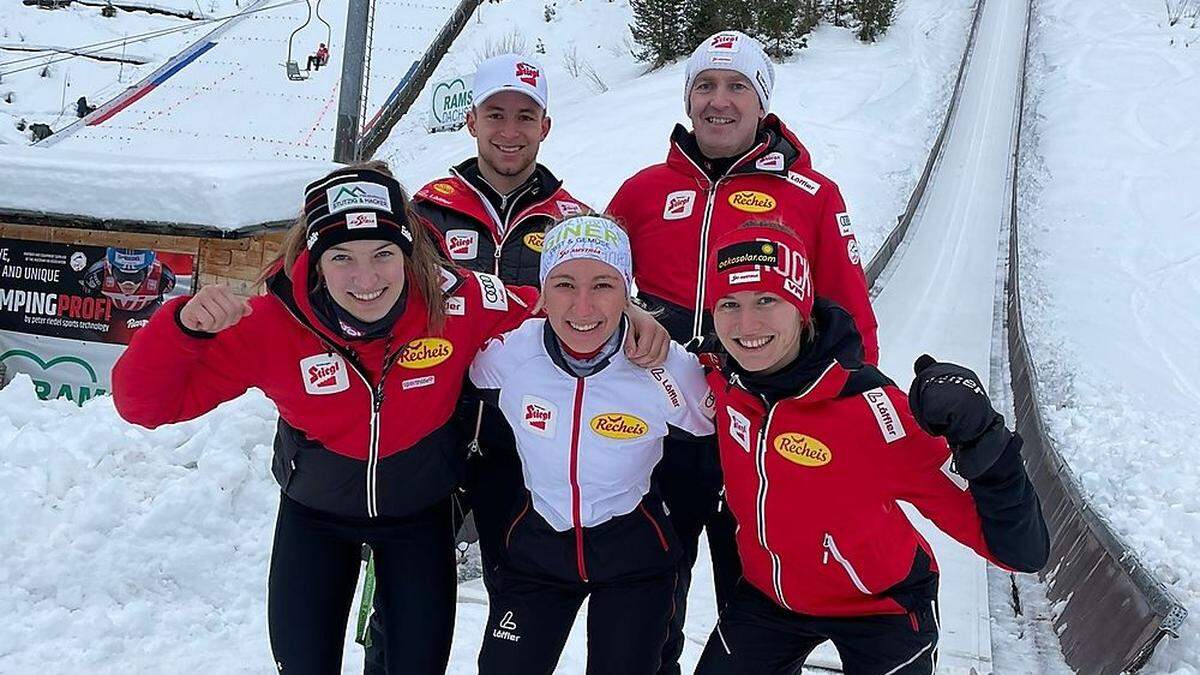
(1114, 611)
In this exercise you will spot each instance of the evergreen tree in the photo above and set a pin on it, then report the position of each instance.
(657, 27)
(777, 26)
(872, 18)
(700, 19)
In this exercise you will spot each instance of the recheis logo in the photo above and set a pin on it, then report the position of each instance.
(462, 244)
(752, 201)
(535, 241)
(538, 416)
(324, 374)
(679, 205)
(358, 195)
(619, 426)
(425, 352)
(39, 372)
(802, 450)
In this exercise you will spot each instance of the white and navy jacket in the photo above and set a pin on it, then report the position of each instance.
(588, 445)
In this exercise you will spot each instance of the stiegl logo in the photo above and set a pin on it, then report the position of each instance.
(538, 416)
(324, 374)
(462, 244)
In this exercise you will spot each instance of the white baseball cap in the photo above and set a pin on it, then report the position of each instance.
(510, 72)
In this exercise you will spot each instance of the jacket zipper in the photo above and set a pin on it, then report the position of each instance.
(705, 226)
(760, 460)
(575, 496)
(831, 547)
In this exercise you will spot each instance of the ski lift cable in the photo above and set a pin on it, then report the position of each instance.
(328, 28)
(88, 50)
(307, 20)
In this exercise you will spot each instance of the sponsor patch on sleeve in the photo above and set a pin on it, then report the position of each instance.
(803, 182)
(663, 378)
(885, 414)
(739, 428)
(456, 305)
(843, 221)
(568, 208)
(492, 292)
(852, 251)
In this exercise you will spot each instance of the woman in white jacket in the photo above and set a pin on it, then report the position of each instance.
(589, 427)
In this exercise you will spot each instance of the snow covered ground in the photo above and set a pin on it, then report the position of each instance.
(51, 99)
(1110, 219)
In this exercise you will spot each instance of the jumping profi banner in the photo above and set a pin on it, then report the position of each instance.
(67, 311)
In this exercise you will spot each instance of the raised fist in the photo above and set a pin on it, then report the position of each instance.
(213, 309)
(948, 400)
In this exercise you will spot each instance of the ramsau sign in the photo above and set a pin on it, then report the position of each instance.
(449, 102)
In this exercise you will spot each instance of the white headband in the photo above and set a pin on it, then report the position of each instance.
(593, 237)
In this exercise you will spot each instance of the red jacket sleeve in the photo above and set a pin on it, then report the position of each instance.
(838, 273)
(921, 469)
(166, 375)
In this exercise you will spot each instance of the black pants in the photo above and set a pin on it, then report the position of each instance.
(755, 636)
(314, 568)
(631, 567)
(314, 62)
(689, 478)
(494, 491)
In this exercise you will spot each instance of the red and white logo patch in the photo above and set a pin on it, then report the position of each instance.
(772, 161)
(462, 244)
(324, 374)
(528, 74)
(538, 416)
(724, 42)
(679, 205)
(356, 221)
(568, 208)
(739, 428)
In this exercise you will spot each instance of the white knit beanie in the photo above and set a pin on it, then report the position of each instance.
(736, 51)
(594, 237)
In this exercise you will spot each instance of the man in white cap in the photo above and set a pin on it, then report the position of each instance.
(738, 163)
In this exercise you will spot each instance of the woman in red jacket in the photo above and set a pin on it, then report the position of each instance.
(816, 450)
(362, 341)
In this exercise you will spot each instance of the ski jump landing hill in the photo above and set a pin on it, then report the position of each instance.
(227, 96)
(958, 263)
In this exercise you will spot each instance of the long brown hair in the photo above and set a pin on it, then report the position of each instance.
(423, 266)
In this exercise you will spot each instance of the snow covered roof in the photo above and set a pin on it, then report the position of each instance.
(56, 186)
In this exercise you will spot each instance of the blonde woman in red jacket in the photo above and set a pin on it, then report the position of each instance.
(817, 448)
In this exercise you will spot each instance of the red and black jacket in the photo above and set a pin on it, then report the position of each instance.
(815, 459)
(675, 209)
(363, 426)
(505, 238)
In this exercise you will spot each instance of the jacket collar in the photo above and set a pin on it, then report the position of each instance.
(554, 349)
(773, 137)
(299, 304)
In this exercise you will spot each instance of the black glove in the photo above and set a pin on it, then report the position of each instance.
(947, 400)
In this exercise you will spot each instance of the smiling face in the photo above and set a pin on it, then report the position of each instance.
(364, 277)
(509, 127)
(583, 300)
(725, 111)
(759, 329)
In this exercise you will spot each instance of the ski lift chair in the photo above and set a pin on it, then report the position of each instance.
(293, 68)
(294, 73)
